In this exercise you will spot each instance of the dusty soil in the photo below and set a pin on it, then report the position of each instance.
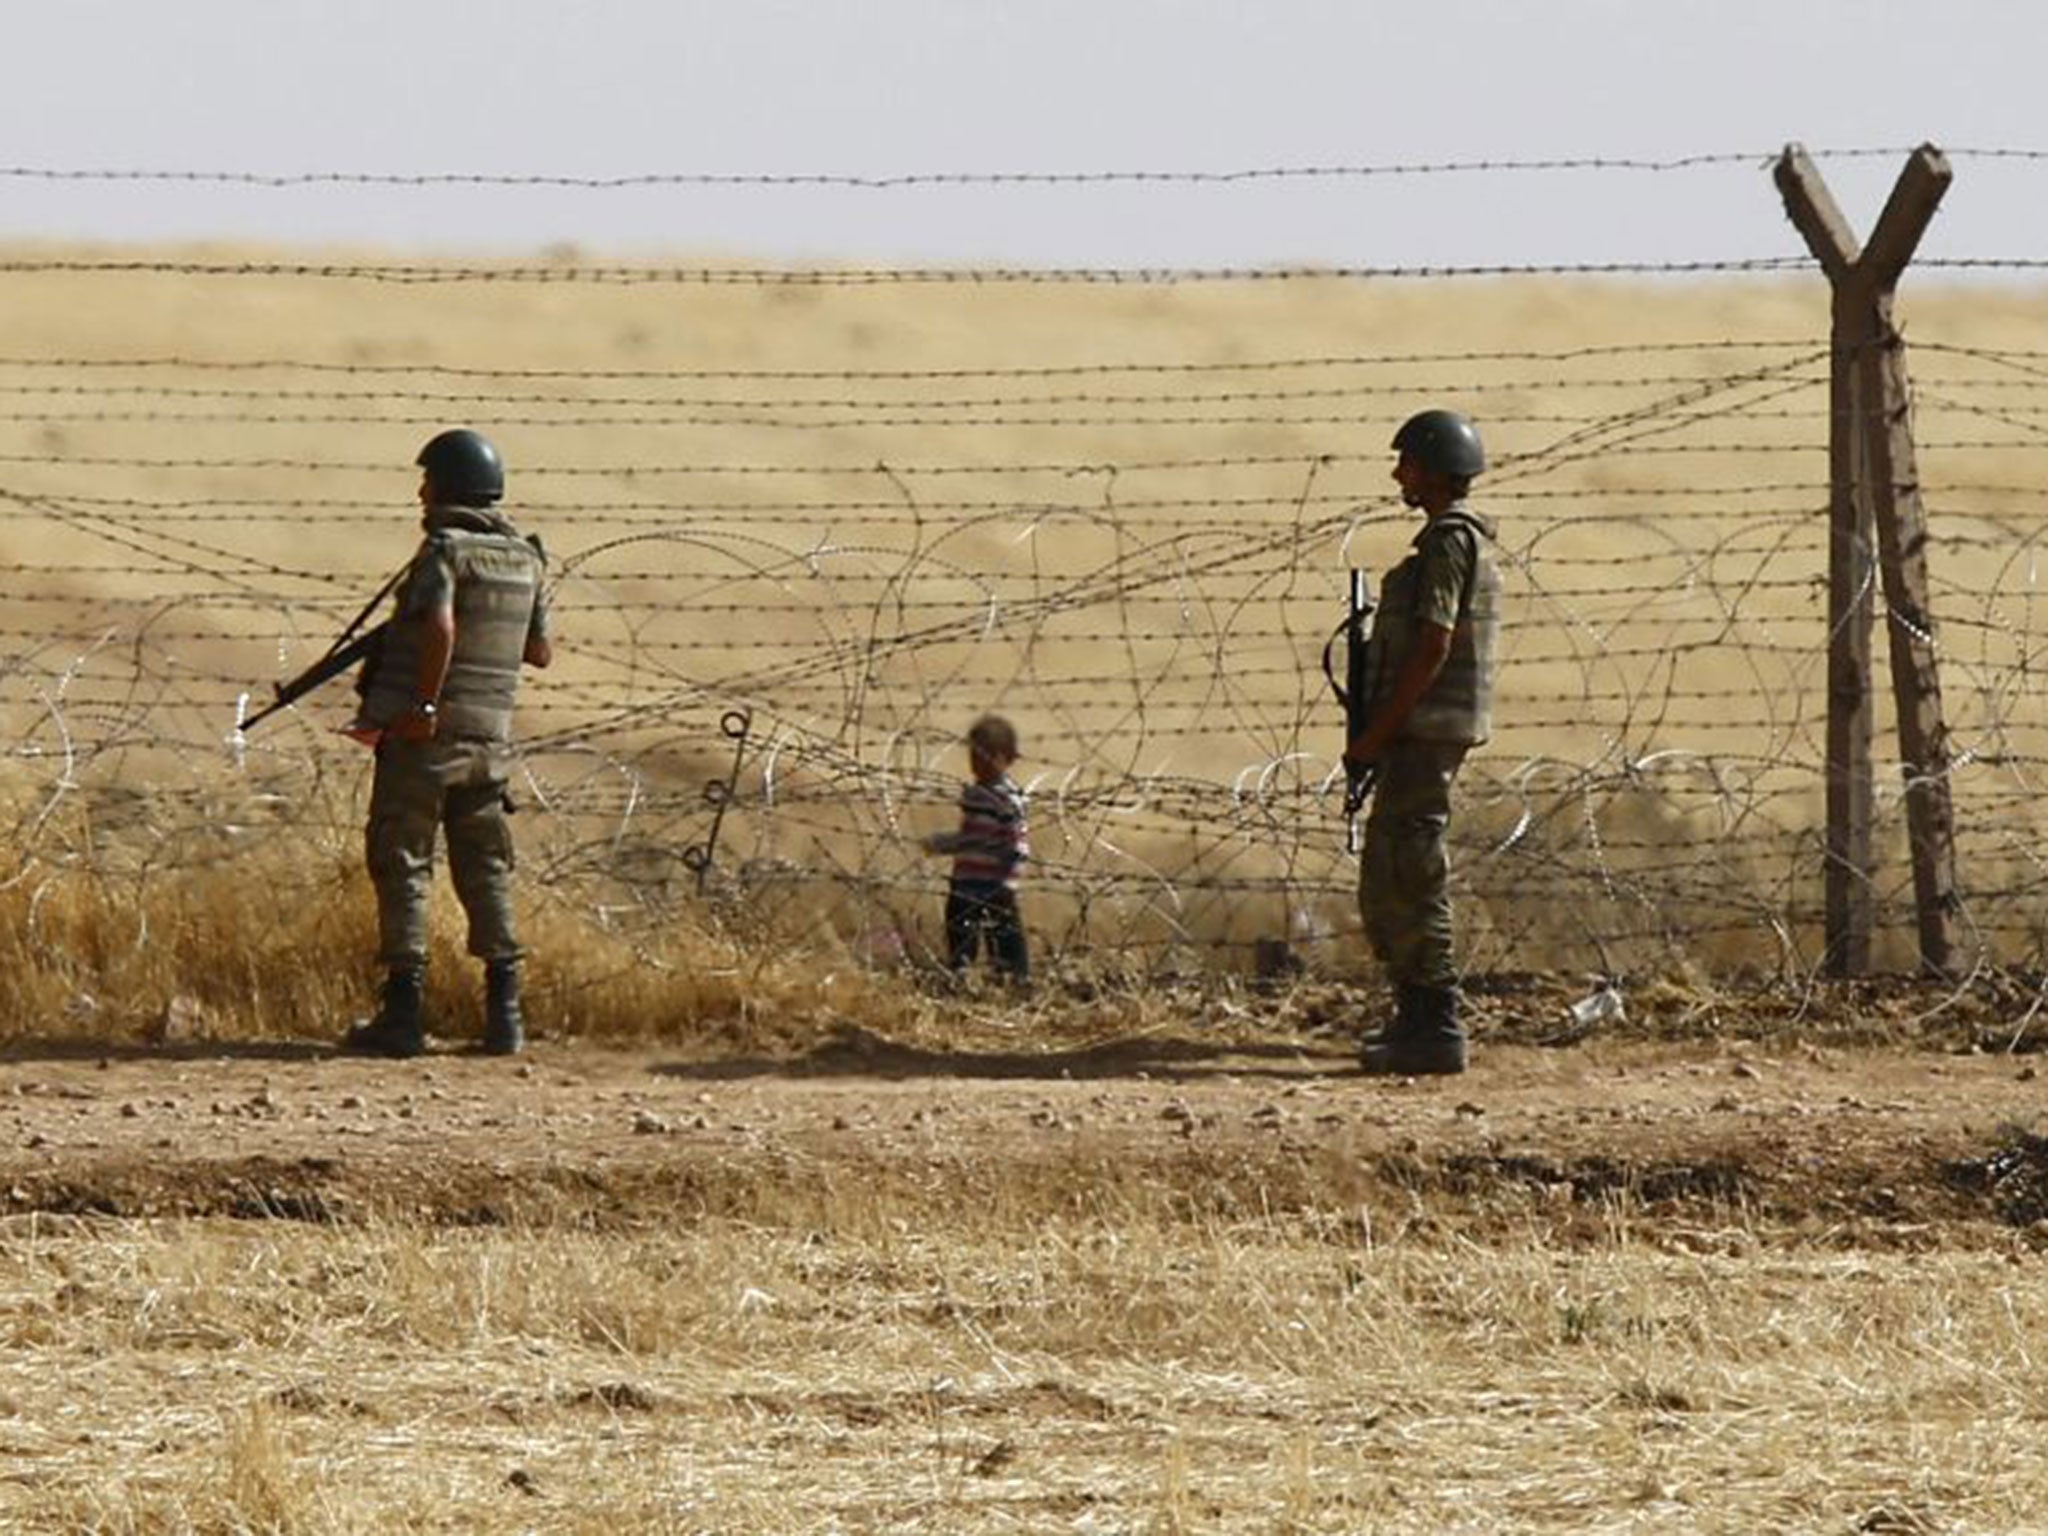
(1877, 1147)
(1668, 1285)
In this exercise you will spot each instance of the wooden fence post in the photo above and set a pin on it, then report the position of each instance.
(1851, 579)
(1874, 485)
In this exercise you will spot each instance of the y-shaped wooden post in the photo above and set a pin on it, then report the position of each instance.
(1874, 482)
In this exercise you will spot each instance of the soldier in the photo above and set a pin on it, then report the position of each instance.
(437, 707)
(1431, 700)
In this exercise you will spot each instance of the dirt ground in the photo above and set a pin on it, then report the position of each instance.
(1869, 1145)
(1168, 1283)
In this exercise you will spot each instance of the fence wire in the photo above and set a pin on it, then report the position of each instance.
(866, 516)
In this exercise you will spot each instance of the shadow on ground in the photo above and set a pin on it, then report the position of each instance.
(857, 1052)
(59, 1048)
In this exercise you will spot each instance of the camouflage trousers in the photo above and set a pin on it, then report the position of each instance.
(420, 790)
(1404, 877)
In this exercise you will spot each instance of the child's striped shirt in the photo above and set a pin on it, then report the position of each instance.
(993, 839)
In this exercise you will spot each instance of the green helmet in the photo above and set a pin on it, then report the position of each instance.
(463, 467)
(1442, 441)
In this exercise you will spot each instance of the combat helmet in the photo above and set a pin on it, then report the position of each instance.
(1443, 442)
(463, 467)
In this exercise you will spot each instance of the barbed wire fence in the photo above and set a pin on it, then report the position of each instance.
(1128, 530)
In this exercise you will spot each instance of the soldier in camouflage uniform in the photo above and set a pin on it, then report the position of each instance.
(437, 706)
(1432, 694)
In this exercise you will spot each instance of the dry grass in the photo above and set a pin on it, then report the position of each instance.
(218, 953)
(270, 946)
(1119, 1372)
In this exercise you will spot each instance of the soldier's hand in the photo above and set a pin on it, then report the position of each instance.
(417, 724)
(1360, 779)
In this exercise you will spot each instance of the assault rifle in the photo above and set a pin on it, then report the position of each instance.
(1354, 693)
(348, 649)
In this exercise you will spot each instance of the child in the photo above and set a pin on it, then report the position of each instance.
(991, 843)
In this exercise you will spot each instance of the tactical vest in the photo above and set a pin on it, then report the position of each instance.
(497, 582)
(1459, 705)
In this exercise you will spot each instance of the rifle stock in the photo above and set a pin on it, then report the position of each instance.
(338, 660)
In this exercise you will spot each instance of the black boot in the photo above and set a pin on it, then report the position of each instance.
(1398, 1028)
(504, 1023)
(399, 1028)
(1433, 1045)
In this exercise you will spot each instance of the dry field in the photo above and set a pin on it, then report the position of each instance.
(1180, 1283)
(764, 1236)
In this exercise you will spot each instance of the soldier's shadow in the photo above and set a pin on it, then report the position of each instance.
(64, 1048)
(856, 1052)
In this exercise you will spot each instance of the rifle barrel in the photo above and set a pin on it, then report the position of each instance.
(337, 660)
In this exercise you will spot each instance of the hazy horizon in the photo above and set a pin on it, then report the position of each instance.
(914, 88)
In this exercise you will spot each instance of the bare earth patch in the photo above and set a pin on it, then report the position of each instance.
(1157, 1284)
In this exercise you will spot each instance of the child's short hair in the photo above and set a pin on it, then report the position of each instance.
(995, 736)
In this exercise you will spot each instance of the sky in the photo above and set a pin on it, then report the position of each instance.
(888, 88)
